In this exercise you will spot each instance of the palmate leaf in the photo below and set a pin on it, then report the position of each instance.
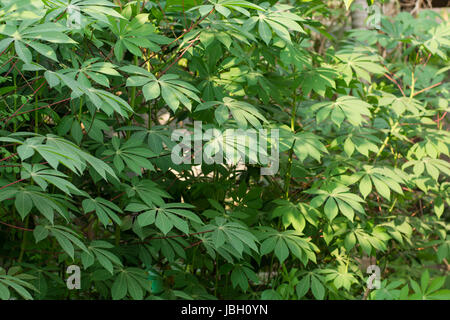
(91, 68)
(46, 203)
(438, 40)
(285, 243)
(295, 214)
(388, 291)
(376, 239)
(296, 55)
(26, 35)
(433, 167)
(228, 238)
(132, 281)
(224, 7)
(360, 61)
(166, 216)
(346, 107)
(43, 175)
(401, 105)
(304, 144)
(57, 150)
(311, 281)
(67, 239)
(107, 102)
(95, 10)
(148, 191)
(242, 112)
(318, 79)
(19, 10)
(308, 144)
(337, 198)
(266, 67)
(384, 180)
(341, 277)
(226, 251)
(401, 230)
(104, 257)
(169, 87)
(276, 19)
(135, 34)
(215, 72)
(225, 31)
(101, 99)
(429, 290)
(71, 124)
(157, 137)
(170, 248)
(360, 139)
(104, 209)
(132, 154)
(234, 146)
(434, 143)
(241, 275)
(20, 282)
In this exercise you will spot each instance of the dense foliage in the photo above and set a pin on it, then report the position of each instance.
(87, 111)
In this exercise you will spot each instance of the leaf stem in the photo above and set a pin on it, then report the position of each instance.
(24, 240)
(287, 178)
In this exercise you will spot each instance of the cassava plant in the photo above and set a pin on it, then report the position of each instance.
(93, 90)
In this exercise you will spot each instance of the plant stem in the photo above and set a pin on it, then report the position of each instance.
(413, 84)
(36, 114)
(386, 141)
(217, 276)
(24, 241)
(287, 178)
(117, 235)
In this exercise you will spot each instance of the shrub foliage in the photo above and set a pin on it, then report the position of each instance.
(92, 91)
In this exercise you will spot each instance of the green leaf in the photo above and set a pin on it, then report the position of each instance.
(331, 209)
(303, 286)
(382, 188)
(349, 241)
(346, 107)
(317, 288)
(40, 233)
(23, 52)
(264, 31)
(151, 90)
(163, 223)
(44, 49)
(23, 204)
(365, 186)
(119, 287)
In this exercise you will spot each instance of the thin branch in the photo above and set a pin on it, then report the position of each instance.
(181, 235)
(15, 227)
(394, 81)
(193, 245)
(430, 87)
(184, 33)
(47, 106)
(11, 156)
(17, 111)
(12, 183)
(180, 56)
